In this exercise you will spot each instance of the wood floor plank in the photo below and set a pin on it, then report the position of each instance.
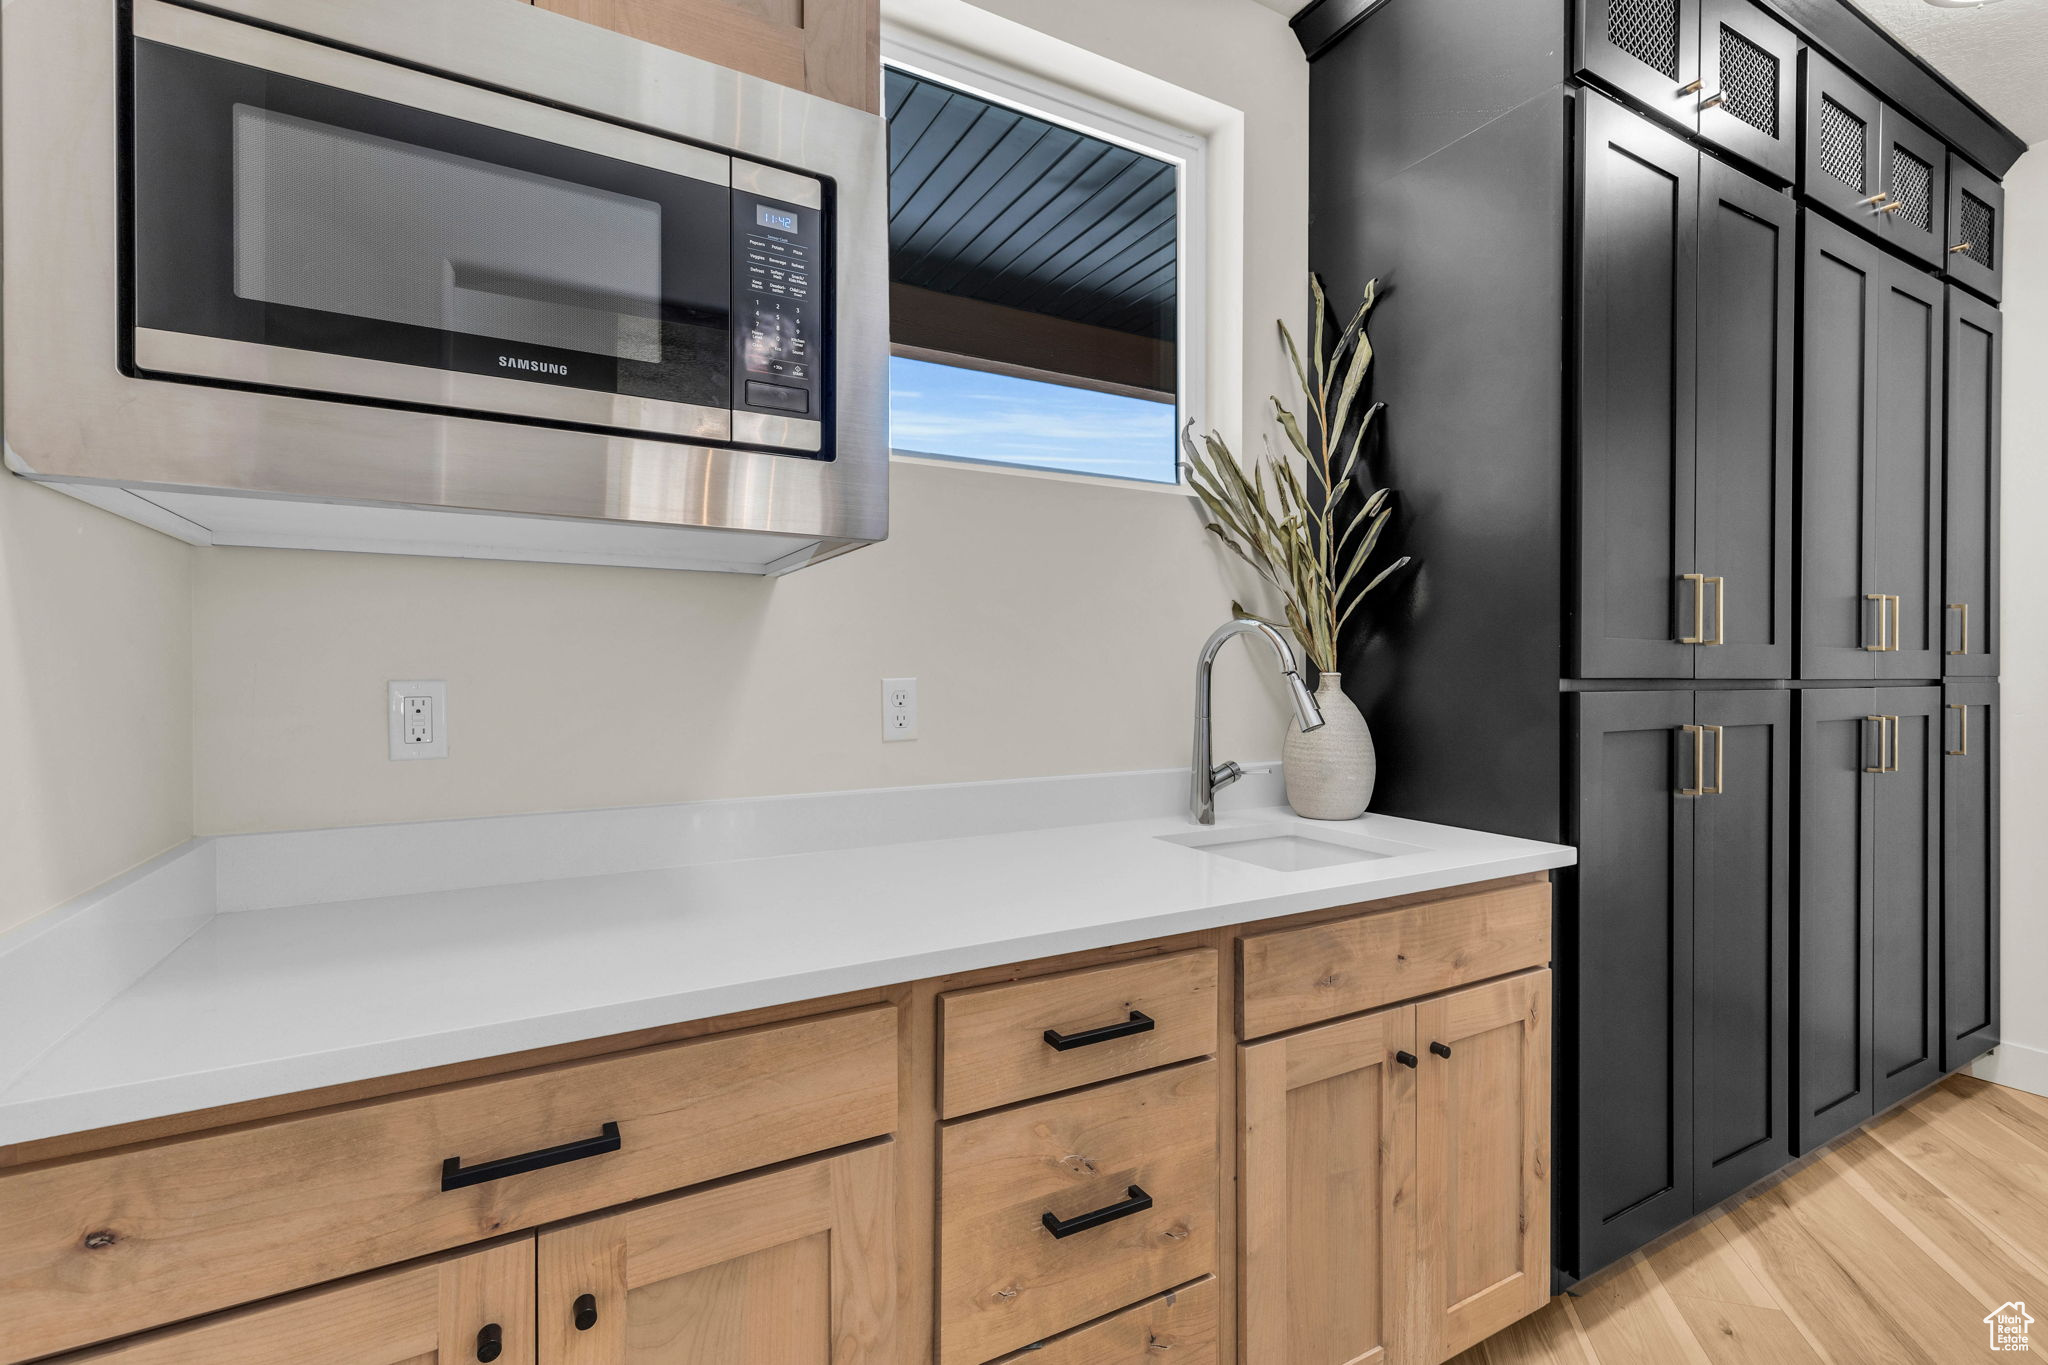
(1886, 1248)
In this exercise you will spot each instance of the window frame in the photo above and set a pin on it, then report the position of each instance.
(1043, 96)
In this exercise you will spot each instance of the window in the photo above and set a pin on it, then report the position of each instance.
(1037, 248)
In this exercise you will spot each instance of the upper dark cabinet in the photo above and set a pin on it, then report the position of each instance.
(1685, 440)
(1748, 84)
(1974, 254)
(1969, 594)
(1720, 68)
(1915, 187)
(1869, 164)
(1839, 167)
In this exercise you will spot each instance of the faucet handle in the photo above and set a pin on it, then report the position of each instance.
(1223, 774)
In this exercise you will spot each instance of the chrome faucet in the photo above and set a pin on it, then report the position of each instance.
(1210, 776)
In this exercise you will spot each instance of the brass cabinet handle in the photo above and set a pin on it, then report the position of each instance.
(1963, 719)
(1960, 247)
(1964, 608)
(1892, 207)
(1692, 87)
(1699, 609)
(1887, 732)
(1699, 760)
(1720, 611)
(1897, 624)
(1712, 102)
(1720, 761)
(1883, 622)
(1873, 200)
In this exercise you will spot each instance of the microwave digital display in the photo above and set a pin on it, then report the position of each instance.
(781, 220)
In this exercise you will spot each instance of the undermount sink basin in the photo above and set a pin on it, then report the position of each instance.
(1285, 849)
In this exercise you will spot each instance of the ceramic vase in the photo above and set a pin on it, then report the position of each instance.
(1330, 770)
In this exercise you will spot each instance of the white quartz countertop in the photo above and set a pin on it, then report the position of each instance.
(263, 1002)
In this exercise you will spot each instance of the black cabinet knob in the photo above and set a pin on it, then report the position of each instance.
(1406, 1059)
(1440, 1049)
(490, 1343)
(585, 1310)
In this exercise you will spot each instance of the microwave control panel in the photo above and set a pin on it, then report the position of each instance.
(779, 293)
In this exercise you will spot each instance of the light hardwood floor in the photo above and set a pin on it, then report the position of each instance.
(1887, 1247)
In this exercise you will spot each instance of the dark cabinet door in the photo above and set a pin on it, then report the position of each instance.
(1839, 742)
(1645, 50)
(1744, 464)
(1627, 950)
(1970, 626)
(1742, 851)
(1914, 214)
(1638, 229)
(1839, 167)
(1905, 553)
(1905, 910)
(1844, 282)
(1749, 72)
(1969, 881)
(1974, 254)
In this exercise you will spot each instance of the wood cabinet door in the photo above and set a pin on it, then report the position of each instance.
(1646, 50)
(1906, 450)
(1627, 948)
(1969, 878)
(1975, 245)
(1748, 289)
(1841, 741)
(1742, 916)
(1839, 626)
(796, 1266)
(476, 1306)
(1839, 120)
(1749, 81)
(1638, 324)
(1482, 1117)
(1970, 597)
(1327, 1193)
(1905, 909)
(1914, 216)
(831, 48)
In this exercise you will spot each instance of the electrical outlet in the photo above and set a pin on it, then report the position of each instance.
(418, 713)
(899, 708)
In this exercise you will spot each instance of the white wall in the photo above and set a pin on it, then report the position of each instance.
(95, 697)
(2022, 1060)
(1053, 624)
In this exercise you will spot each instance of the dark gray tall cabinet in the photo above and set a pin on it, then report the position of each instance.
(1689, 339)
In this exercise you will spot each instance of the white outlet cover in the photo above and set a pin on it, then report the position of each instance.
(436, 745)
(899, 709)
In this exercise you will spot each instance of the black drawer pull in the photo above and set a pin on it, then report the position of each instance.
(1406, 1059)
(1137, 1023)
(1137, 1202)
(1440, 1049)
(490, 1343)
(584, 1312)
(453, 1177)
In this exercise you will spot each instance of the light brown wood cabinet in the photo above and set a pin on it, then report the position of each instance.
(908, 1175)
(831, 48)
(1394, 1179)
(793, 1267)
(477, 1306)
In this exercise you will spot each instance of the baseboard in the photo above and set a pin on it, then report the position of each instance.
(2015, 1066)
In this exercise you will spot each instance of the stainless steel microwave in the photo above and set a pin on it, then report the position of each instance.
(462, 278)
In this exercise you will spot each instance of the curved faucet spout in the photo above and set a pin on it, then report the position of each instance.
(1208, 775)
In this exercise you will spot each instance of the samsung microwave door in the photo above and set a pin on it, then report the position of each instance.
(391, 239)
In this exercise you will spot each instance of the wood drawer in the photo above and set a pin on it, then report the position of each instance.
(1005, 1280)
(110, 1244)
(995, 1045)
(1181, 1326)
(1293, 977)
